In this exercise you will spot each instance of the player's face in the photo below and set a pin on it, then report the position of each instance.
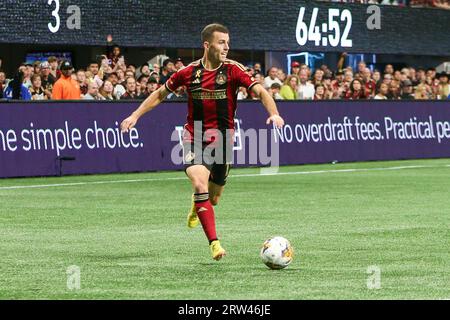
(219, 46)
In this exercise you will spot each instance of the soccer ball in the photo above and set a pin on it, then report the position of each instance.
(277, 253)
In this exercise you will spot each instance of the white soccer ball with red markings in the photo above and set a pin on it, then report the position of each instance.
(277, 253)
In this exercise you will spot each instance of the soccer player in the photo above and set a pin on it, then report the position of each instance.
(212, 84)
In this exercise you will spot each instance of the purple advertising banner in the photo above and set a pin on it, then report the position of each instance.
(47, 139)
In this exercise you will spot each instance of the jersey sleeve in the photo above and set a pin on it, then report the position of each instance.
(242, 78)
(177, 79)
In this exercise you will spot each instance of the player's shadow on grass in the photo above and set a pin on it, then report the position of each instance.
(263, 268)
(118, 256)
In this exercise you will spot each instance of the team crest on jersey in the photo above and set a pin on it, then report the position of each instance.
(189, 157)
(221, 79)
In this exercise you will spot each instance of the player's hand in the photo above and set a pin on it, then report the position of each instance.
(277, 121)
(128, 123)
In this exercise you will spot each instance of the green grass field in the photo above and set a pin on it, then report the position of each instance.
(128, 234)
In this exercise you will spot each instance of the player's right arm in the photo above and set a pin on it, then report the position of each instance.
(147, 105)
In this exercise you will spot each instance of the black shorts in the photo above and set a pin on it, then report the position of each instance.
(217, 160)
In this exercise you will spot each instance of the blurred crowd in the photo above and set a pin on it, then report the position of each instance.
(108, 78)
(112, 78)
(442, 4)
(323, 84)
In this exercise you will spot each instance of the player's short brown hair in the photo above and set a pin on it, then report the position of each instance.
(210, 29)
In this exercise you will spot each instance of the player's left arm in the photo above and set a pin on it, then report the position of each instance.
(269, 104)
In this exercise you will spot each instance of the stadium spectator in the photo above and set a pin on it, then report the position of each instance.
(320, 93)
(338, 82)
(66, 88)
(305, 90)
(327, 86)
(113, 78)
(15, 89)
(389, 69)
(356, 91)
(2, 83)
(369, 84)
(155, 75)
(295, 68)
(156, 68)
(422, 92)
(130, 86)
(274, 91)
(81, 78)
(107, 90)
(387, 79)
(404, 74)
(412, 76)
(289, 91)
(47, 79)
(115, 58)
(131, 67)
(432, 86)
(444, 86)
(36, 67)
(93, 92)
(96, 72)
(397, 75)
(348, 77)
(382, 91)
(259, 77)
(143, 80)
(119, 90)
(258, 68)
(271, 78)
(167, 70)
(152, 86)
(361, 68)
(242, 93)
(281, 75)
(105, 67)
(143, 70)
(179, 64)
(36, 90)
(407, 92)
(431, 72)
(376, 76)
(93, 68)
(120, 76)
(318, 77)
(53, 63)
(394, 90)
(420, 76)
(27, 73)
(129, 74)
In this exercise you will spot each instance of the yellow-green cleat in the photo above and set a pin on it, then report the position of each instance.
(192, 219)
(217, 251)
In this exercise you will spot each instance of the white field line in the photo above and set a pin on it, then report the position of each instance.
(231, 176)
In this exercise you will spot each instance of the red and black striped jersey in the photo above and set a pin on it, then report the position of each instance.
(212, 94)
